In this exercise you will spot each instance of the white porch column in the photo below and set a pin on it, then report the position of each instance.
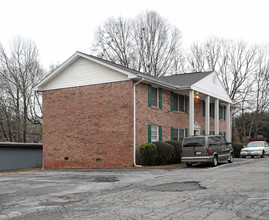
(207, 115)
(191, 112)
(216, 116)
(229, 125)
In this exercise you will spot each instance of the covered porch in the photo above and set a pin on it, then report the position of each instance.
(214, 108)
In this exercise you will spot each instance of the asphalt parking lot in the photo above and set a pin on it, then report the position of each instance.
(229, 191)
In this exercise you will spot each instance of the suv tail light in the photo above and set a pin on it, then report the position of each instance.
(207, 151)
(181, 152)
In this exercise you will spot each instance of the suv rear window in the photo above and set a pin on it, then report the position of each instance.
(193, 142)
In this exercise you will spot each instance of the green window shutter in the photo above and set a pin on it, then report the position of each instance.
(213, 132)
(172, 101)
(160, 133)
(149, 95)
(172, 133)
(220, 133)
(224, 113)
(149, 133)
(186, 104)
(224, 134)
(213, 110)
(186, 132)
(203, 132)
(160, 98)
(203, 108)
(220, 111)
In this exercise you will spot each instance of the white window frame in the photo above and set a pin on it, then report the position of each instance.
(157, 128)
(158, 104)
(178, 133)
(184, 104)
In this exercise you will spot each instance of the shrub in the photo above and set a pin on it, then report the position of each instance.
(148, 154)
(165, 153)
(177, 151)
(237, 148)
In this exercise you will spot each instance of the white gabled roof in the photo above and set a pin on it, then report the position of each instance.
(43, 84)
(82, 69)
(212, 86)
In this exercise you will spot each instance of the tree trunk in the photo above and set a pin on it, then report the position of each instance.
(18, 118)
(25, 117)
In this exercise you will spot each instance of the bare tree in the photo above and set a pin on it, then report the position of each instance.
(234, 62)
(113, 42)
(19, 72)
(260, 93)
(147, 43)
(157, 43)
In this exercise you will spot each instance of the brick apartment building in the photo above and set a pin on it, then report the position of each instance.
(96, 113)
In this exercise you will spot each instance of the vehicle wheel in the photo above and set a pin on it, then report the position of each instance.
(243, 156)
(215, 161)
(188, 164)
(262, 156)
(252, 156)
(231, 158)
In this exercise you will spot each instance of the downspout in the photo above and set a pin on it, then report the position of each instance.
(135, 124)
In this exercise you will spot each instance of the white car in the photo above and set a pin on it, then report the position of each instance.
(255, 148)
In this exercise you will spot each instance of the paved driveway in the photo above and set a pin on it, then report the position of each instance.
(230, 191)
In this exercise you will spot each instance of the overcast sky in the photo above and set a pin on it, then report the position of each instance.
(60, 28)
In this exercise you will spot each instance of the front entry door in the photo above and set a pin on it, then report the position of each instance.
(197, 132)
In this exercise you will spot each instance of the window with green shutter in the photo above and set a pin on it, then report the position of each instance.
(149, 133)
(154, 133)
(177, 134)
(220, 112)
(154, 97)
(186, 132)
(160, 133)
(160, 98)
(172, 101)
(149, 95)
(212, 132)
(179, 102)
(212, 110)
(203, 108)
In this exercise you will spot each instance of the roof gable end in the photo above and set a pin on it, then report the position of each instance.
(81, 70)
(212, 86)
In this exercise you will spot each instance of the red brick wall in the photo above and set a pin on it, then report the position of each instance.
(86, 123)
(223, 126)
(154, 116)
(165, 117)
(90, 122)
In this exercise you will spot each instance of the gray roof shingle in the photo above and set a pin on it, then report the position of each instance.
(186, 79)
